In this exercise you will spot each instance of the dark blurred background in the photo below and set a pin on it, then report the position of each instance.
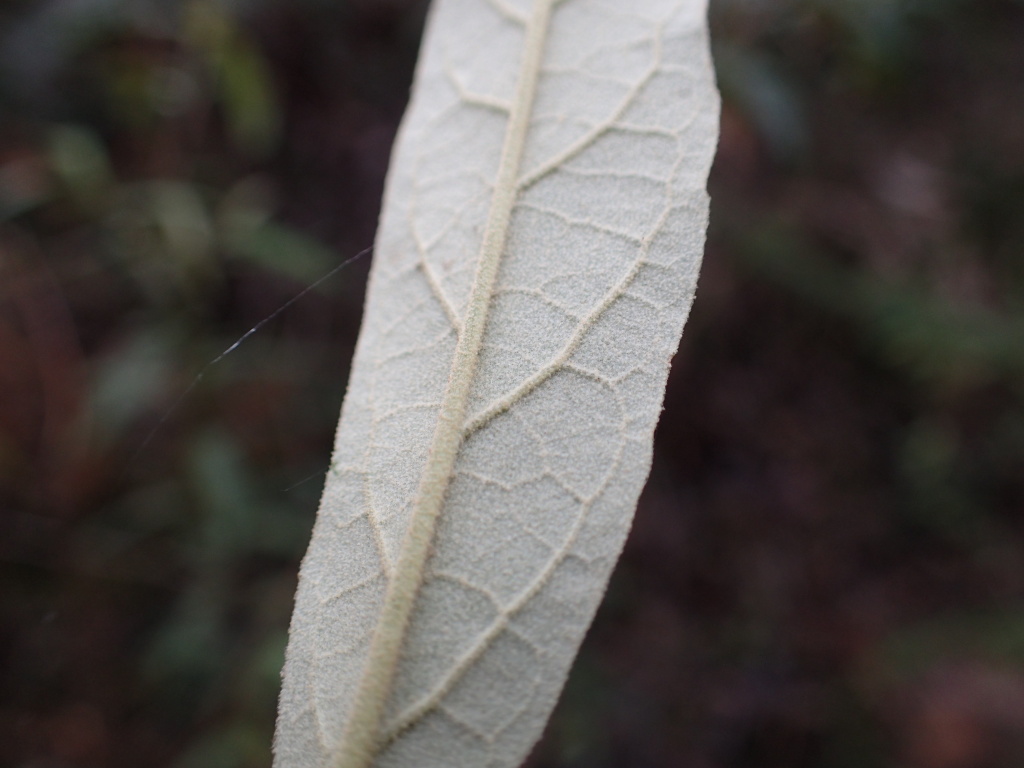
(827, 568)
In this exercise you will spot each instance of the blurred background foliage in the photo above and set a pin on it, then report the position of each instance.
(827, 568)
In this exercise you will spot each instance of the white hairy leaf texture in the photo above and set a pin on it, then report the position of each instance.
(543, 226)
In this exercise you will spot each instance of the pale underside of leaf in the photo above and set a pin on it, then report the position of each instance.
(542, 230)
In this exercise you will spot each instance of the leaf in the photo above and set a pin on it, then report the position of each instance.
(543, 224)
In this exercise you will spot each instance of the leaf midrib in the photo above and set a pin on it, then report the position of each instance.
(360, 742)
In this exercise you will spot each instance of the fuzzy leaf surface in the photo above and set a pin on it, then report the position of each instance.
(542, 231)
